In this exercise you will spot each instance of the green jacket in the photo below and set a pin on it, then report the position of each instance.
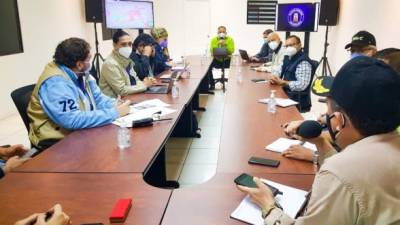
(229, 45)
(114, 78)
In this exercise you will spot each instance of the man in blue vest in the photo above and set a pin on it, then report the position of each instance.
(296, 74)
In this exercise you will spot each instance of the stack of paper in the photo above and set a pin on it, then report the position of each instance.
(291, 202)
(283, 144)
(145, 109)
(282, 102)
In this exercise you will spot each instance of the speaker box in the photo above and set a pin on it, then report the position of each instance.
(94, 11)
(329, 12)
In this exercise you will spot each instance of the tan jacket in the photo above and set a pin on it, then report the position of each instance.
(360, 185)
(114, 79)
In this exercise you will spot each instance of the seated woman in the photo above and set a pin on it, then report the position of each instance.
(118, 78)
(143, 52)
(161, 57)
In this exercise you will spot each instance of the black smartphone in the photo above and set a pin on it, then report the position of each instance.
(246, 180)
(264, 162)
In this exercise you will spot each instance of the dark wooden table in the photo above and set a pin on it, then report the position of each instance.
(87, 173)
(86, 198)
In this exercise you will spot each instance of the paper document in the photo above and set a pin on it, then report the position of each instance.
(145, 109)
(282, 144)
(282, 102)
(291, 202)
(148, 104)
(178, 68)
(166, 76)
(217, 73)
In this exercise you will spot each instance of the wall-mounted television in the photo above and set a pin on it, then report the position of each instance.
(297, 17)
(128, 14)
(10, 38)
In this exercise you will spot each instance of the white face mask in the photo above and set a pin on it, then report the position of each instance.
(221, 35)
(291, 51)
(273, 45)
(125, 51)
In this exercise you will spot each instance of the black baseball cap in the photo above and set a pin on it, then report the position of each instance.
(362, 38)
(322, 85)
(366, 86)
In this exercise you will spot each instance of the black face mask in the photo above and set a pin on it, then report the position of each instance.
(334, 133)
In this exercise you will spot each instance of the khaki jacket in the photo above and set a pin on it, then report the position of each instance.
(114, 78)
(360, 185)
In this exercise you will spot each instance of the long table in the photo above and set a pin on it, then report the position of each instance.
(87, 169)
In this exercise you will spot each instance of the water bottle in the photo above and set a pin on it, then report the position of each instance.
(272, 103)
(239, 76)
(124, 136)
(175, 90)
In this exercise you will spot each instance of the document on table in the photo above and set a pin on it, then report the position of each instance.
(145, 109)
(282, 102)
(282, 144)
(291, 202)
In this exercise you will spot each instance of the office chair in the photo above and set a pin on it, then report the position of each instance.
(21, 98)
(222, 53)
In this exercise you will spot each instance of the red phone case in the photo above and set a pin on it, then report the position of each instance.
(121, 210)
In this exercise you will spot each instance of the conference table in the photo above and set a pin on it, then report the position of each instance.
(87, 173)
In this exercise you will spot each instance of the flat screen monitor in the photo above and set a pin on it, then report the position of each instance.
(297, 17)
(128, 14)
(10, 38)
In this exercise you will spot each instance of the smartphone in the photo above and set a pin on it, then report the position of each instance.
(257, 80)
(264, 162)
(246, 180)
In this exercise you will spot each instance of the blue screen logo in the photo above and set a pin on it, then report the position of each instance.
(296, 17)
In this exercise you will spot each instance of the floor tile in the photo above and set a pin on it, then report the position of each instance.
(183, 143)
(206, 142)
(202, 156)
(197, 174)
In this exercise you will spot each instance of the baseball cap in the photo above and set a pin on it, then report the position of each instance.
(362, 38)
(322, 85)
(366, 86)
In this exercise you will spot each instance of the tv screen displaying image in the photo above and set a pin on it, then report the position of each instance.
(297, 17)
(127, 14)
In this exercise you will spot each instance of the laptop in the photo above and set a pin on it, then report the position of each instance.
(162, 89)
(244, 55)
(176, 74)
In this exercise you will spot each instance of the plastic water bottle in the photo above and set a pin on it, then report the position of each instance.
(175, 90)
(124, 137)
(239, 76)
(272, 103)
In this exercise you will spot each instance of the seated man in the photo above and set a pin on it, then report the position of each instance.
(363, 43)
(162, 60)
(143, 56)
(296, 75)
(278, 53)
(359, 185)
(265, 53)
(67, 98)
(118, 78)
(222, 40)
(10, 158)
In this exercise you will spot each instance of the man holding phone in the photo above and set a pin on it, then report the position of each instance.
(359, 185)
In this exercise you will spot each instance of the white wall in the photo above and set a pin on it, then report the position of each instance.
(44, 23)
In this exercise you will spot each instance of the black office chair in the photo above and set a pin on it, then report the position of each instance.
(222, 53)
(21, 98)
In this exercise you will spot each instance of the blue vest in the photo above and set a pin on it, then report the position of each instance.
(289, 73)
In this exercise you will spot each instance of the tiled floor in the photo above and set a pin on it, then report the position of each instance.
(200, 155)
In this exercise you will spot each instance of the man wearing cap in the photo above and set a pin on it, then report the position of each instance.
(265, 53)
(360, 184)
(296, 74)
(363, 43)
